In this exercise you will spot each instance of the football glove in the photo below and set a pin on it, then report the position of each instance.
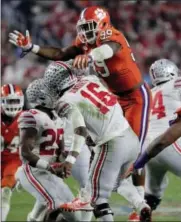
(19, 40)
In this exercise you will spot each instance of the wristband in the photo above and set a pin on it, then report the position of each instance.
(25, 52)
(71, 159)
(42, 164)
(35, 49)
(141, 161)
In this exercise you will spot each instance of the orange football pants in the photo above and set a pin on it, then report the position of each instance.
(136, 107)
(9, 166)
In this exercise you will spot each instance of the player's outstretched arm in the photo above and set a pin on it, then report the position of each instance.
(160, 143)
(98, 54)
(51, 53)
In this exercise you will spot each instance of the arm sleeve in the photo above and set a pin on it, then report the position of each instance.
(73, 114)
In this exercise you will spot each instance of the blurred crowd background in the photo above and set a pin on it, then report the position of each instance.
(153, 29)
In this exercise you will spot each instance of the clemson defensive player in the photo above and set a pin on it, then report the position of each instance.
(12, 102)
(100, 46)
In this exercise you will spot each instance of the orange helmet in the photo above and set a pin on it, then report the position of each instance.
(92, 20)
(12, 99)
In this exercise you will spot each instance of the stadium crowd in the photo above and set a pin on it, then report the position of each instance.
(153, 29)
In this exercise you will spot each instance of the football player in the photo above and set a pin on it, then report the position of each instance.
(98, 43)
(100, 46)
(80, 170)
(166, 99)
(99, 110)
(41, 143)
(12, 102)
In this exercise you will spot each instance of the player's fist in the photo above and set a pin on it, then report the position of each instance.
(129, 172)
(67, 168)
(82, 61)
(20, 40)
(57, 169)
(132, 171)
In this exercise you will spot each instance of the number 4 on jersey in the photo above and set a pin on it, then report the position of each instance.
(158, 107)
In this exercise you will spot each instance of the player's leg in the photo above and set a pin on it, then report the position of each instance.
(156, 179)
(7, 183)
(80, 172)
(5, 206)
(137, 111)
(137, 115)
(155, 183)
(37, 213)
(105, 168)
(47, 188)
(126, 189)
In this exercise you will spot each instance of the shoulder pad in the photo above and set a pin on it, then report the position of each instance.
(63, 108)
(27, 119)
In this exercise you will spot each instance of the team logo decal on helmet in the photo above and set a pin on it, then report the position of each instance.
(100, 13)
(12, 99)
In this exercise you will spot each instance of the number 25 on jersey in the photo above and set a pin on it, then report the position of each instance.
(158, 107)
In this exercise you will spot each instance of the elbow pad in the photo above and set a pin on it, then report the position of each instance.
(101, 53)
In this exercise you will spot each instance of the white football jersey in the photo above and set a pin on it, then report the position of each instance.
(50, 132)
(100, 109)
(166, 100)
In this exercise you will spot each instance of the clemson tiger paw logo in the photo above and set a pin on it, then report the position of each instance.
(100, 13)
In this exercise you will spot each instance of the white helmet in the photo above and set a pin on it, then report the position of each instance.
(59, 76)
(38, 95)
(12, 99)
(163, 70)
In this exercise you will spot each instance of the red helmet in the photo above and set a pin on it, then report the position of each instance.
(12, 99)
(92, 20)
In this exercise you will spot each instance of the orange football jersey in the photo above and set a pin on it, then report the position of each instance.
(9, 136)
(120, 72)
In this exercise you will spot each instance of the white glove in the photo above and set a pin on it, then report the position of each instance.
(18, 39)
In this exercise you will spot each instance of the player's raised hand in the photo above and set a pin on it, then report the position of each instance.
(20, 40)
